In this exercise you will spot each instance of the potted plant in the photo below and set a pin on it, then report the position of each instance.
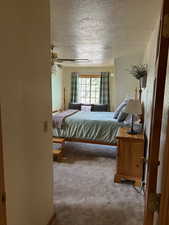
(140, 73)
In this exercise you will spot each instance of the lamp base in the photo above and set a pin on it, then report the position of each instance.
(132, 132)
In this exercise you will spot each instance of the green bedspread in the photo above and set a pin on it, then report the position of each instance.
(97, 126)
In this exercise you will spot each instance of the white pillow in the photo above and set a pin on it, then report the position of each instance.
(86, 108)
(120, 107)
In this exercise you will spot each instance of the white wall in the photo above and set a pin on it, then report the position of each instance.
(147, 94)
(57, 89)
(125, 84)
(67, 80)
(25, 98)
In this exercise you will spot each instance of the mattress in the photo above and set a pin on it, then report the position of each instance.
(92, 126)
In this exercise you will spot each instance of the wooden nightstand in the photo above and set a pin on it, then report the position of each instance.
(130, 157)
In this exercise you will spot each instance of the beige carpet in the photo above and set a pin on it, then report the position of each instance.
(84, 191)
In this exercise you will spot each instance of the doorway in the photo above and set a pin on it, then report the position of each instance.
(84, 188)
(156, 117)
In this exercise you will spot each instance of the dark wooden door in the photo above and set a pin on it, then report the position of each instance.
(2, 183)
(163, 215)
(157, 112)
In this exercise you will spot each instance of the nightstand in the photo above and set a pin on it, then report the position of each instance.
(130, 157)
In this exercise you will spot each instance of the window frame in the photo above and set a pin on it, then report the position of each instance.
(89, 76)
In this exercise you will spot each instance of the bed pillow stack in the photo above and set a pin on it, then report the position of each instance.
(120, 113)
(94, 107)
(100, 108)
(75, 106)
(120, 107)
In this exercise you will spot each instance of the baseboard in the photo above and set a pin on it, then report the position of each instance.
(52, 220)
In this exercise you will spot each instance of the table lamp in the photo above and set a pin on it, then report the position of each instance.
(133, 107)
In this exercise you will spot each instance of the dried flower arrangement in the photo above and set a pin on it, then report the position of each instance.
(140, 73)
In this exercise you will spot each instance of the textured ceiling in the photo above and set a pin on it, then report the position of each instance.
(101, 30)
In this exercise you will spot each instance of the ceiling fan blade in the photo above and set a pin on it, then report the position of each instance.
(75, 59)
(70, 60)
(81, 59)
(55, 57)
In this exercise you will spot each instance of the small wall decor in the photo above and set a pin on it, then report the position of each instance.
(140, 73)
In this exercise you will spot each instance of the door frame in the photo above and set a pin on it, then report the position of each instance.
(164, 206)
(157, 113)
(3, 219)
(154, 145)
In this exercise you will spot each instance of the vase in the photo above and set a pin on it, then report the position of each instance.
(140, 89)
(144, 81)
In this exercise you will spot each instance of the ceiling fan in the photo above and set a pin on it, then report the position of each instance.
(55, 57)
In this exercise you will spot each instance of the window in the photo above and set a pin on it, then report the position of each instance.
(89, 89)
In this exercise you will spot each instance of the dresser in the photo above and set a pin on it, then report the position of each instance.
(130, 157)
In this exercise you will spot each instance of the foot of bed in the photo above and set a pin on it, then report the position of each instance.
(58, 153)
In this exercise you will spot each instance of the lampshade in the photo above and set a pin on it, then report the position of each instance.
(133, 106)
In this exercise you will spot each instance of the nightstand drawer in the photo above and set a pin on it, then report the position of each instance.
(130, 159)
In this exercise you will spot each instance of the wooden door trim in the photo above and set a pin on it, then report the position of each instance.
(52, 220)
(156, 121)
(2, 183)
(164, 206)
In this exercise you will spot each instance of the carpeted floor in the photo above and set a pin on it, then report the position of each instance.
(84, 191)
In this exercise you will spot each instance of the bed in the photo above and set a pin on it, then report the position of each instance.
(92, 127)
